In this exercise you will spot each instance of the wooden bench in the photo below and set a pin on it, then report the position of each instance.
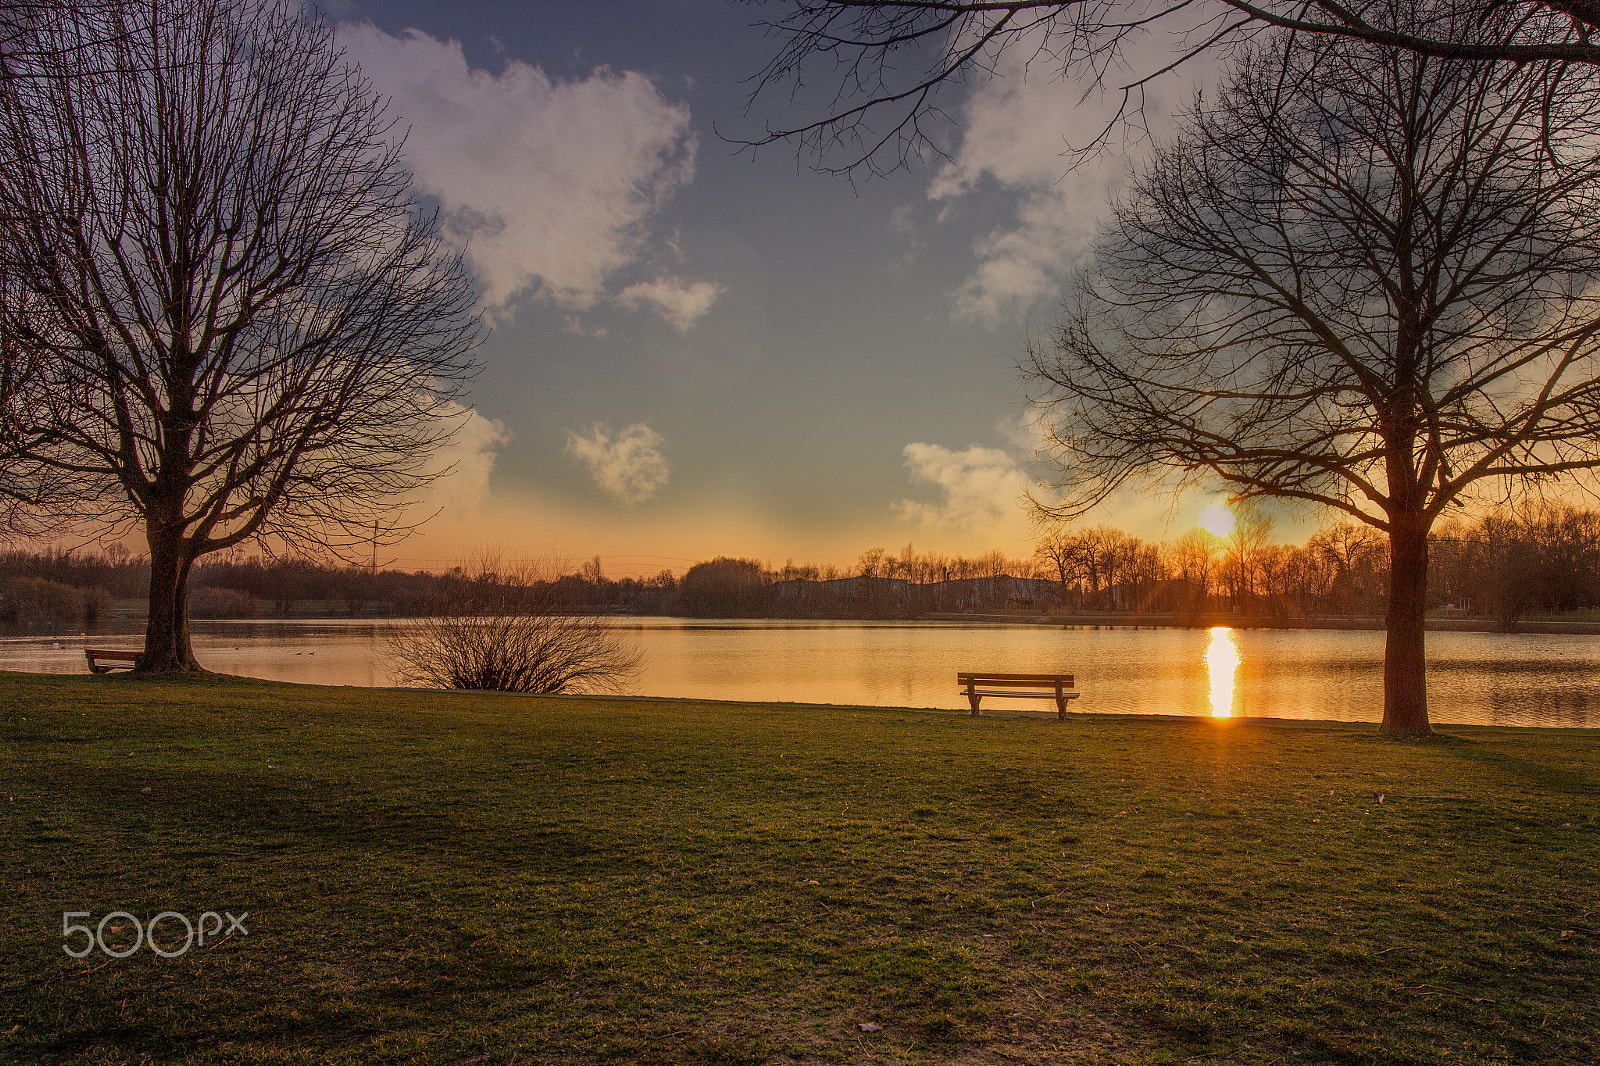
(105, 660)
(1018, 686)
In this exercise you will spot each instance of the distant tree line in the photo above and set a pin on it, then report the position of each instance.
(1510, 564)
(60, 589)
(1506, 566)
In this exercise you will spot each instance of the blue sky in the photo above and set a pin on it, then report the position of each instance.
(696, 352)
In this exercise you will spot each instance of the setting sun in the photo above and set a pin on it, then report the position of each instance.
(1217, 519)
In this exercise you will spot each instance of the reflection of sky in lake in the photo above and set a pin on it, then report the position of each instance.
(1222, 666)
(1482, 678)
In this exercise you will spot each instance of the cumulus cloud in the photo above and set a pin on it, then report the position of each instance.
(681, 304)
(1018, 128)
(979, 488)
(1027, 432)
(467, 461)
(552, 184)
(628, 466)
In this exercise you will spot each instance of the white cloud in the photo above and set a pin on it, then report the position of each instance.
(1027, 432)
(629, 466)
(1018, 128)
(980, 489)
(681, 304)
(553, 184)
(575, 325)
(468, 461)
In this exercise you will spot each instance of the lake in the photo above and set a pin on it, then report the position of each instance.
(1474, 678)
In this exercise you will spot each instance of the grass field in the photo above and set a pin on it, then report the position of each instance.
(443, 878)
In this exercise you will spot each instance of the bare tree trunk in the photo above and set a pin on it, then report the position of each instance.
(166, 634)
(1405, 690)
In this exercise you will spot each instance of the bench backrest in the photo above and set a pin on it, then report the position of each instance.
(1015, 680)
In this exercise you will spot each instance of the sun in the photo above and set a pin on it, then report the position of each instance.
(1217, 519)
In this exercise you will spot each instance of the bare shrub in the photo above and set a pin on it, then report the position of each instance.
(503, 629)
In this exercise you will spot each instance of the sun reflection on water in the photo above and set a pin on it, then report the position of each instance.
(1222, 664)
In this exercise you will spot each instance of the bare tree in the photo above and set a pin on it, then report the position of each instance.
(1364, 281)
(502, 628)
(1105, 551)
(1191, 559)
(1058, 549)
(93, 23)
(1352, 561)
(1143, 573)
(1252, 528)
(1097, 556)
(30, 493)
(244, 327)
(890, 62)
(1568, 542)
(1507, 565)
(28, 500)
(1277, 579)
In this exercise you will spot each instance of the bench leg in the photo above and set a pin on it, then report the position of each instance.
(1061, 709)
(974, 701)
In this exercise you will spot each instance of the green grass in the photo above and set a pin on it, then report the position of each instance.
(441, 878)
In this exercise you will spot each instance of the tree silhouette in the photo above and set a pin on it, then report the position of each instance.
(1364, 281)
(889, 62)
(240, 326)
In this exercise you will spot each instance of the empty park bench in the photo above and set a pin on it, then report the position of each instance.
(105, 660)
(1018, 686)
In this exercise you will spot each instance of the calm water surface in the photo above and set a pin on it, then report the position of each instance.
(1474, 678)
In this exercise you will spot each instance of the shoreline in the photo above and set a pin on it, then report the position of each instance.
(123, 625)
(1362, 726)
(1209, 621)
